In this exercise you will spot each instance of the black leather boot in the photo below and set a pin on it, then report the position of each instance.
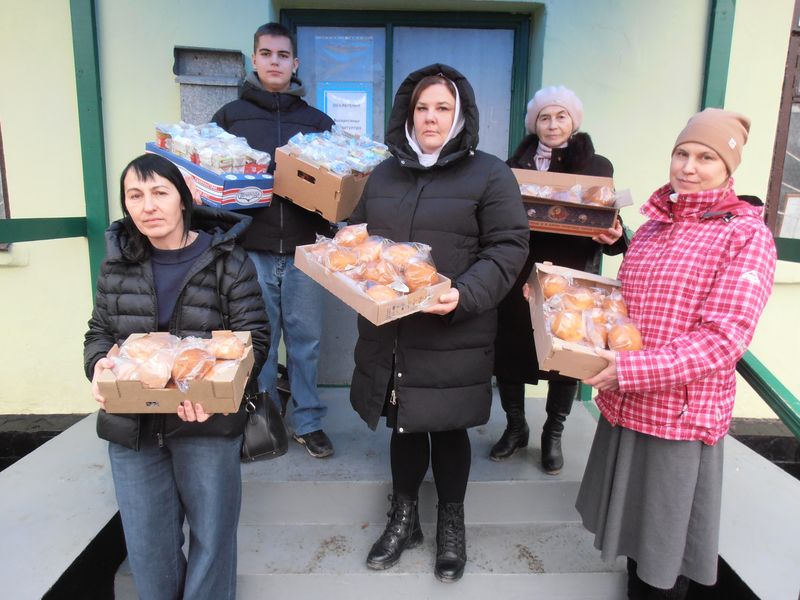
(401, 532)
(512, 398)
(560, 396)
(451, 543)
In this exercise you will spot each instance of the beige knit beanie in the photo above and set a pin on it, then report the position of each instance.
(723, 131)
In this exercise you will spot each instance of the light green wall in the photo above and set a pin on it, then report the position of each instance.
(136, 42)
(638, 67)
(45, 286)
(755, 78)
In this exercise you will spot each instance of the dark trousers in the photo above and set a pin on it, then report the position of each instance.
(448, 452)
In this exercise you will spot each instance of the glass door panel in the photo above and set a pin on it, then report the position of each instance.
(484, 56)
(343, 71)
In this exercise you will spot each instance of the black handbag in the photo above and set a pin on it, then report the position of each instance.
(264, 432)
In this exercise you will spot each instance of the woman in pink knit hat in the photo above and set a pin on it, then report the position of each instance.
(554, 144)
(695, 278)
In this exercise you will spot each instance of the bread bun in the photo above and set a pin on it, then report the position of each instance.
(601, 195)
(596, 329)
(553, 284)
(225, 345)
(379, 271)
(568, 325)
(578, 298)
(191, 363)
(155, 372)
(419, 274)
(223, 370)
(399, 254)
(351, 235)
(381, 293)
(321, 249)
(369, 250)
(341, 259)
(614, 304)
(125, 369)
(624, 337)
(144, 347)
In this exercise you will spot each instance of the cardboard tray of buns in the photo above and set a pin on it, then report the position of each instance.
(554, 354)
(221, 394)
(569, 218)
(345, 289)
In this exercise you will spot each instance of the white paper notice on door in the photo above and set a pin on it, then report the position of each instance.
(349, 104)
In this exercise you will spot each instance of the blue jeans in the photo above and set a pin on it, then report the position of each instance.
(294, 308)
(198, 478)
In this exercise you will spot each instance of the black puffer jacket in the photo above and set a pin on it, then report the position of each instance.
(515, 353)
(126, 303)
(267, 120)
(467, 207)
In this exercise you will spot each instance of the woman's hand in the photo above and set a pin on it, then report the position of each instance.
(526, 291)
(611, 235)
(605, 380)
(99, 367)
(447, 303)
(192, 414)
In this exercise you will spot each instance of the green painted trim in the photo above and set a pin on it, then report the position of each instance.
(788, 249)
(718, 53)
(772, 391)
(519, 84)
(90, 117)
(519, 23)
(31, 230)
(584, 392)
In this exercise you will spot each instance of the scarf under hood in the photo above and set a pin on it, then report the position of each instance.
(462, 139)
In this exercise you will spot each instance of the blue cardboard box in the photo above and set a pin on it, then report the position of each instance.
(229, 191)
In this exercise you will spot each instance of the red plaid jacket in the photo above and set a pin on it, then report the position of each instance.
(696, 278)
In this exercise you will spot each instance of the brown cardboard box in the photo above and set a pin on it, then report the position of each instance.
(554, 354)
(345, 289)
(215, 395)
(558, 216)
(315, 188)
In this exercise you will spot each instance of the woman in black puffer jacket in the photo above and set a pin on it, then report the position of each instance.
(555, 145)
(167, 262)
(430, 373)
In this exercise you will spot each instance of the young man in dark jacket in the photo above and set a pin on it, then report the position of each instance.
(269, 111)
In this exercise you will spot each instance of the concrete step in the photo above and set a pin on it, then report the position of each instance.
(307, 524)
(534, 558)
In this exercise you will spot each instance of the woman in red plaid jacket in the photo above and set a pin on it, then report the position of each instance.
(696, 278)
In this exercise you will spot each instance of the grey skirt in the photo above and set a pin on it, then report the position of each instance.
(656, 501)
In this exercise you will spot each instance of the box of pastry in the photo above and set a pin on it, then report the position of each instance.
(570, 204)
(379, 279)
(326, 172)
(574, 312)
(227, 190)
(155, 372)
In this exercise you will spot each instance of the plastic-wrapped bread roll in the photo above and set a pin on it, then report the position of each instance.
(225, 345)
(568, 325)
(578, 298)
(191, 363)
(624, 336)
(419, 274)
(381, 293)
(351, 235)
(553, 284)
(399, 254)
